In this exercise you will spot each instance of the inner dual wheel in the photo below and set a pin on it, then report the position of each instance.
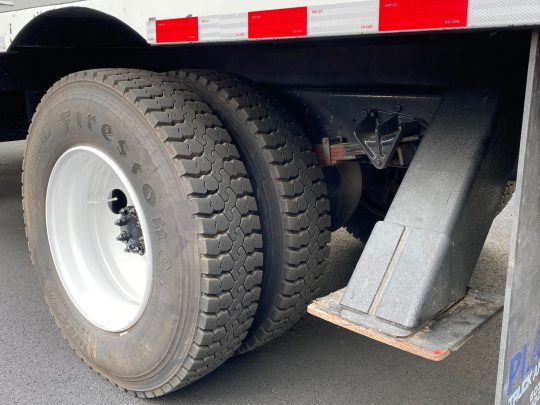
(290, 191)
(146, 214)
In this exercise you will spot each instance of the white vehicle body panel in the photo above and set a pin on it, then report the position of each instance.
(234, 20)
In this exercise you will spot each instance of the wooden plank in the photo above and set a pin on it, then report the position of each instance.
(437, 340)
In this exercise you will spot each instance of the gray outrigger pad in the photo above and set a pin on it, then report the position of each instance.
(437, 339)
(419, 260)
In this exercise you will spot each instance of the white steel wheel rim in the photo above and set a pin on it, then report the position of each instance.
(109, 287)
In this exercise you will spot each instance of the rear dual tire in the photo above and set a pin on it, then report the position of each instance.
(154, 142)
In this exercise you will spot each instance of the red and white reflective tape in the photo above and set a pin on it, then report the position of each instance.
(404, 15)
(360, 17)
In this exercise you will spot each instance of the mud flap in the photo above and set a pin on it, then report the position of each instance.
(518, 380)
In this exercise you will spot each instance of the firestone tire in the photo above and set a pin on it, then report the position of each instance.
(290, 192)
(203, 227)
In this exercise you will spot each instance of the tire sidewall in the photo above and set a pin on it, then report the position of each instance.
(88, 113)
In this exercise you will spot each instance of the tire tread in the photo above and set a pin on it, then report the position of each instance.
(299, 183)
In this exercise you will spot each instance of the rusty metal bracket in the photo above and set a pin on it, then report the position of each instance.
(331, 154)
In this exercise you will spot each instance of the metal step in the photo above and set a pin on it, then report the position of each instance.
(437, 339)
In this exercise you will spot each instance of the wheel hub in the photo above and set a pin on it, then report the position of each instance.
(130, 231)
(109, 286)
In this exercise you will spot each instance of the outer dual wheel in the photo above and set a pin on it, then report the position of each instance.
(142, 226)
(290, 192)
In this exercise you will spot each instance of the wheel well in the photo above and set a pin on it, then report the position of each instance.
(76, 27)
(50, 46)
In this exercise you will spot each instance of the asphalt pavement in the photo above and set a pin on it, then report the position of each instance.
(313, 363)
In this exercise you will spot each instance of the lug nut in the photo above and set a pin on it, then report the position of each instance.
(121, 221)
(123, 237)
